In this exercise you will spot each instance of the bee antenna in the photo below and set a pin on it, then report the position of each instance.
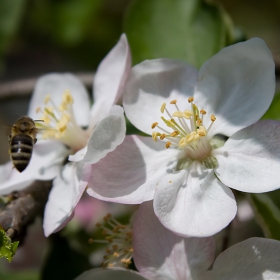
(18, 115)
(38, 120)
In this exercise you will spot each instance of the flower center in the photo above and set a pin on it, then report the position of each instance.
(119, 239)
(60, 123)
(186, 132)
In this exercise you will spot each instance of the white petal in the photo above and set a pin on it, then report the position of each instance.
(110, 79)
(194, 203)
(64, 196)
(55, 85)
(250, 159)
(130, 173)
(109, 274)
(237, 86)
(160, 254)
(152, 83)
(252, 259)
(106, 136)
(45, 162)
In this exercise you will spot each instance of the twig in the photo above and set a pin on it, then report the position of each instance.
(24, 207)
(25, 86)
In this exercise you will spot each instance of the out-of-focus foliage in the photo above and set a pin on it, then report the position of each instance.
(274, 110)
(192, 30)
(7, 247)
(267, 214)
(63, 262)
(10, 15)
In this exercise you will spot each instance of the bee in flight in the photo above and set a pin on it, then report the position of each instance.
(21, 141)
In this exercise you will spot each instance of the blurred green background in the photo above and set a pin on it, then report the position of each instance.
(41, 36)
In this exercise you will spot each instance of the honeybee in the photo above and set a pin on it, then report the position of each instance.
(21, 141)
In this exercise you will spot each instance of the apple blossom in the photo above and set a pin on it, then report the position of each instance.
(206, 137)
(72, 128)
(159, 254)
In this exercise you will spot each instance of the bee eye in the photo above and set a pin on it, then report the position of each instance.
(25, 123)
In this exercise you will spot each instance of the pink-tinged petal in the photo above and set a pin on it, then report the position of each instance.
(106, 136)
(130, 173)
(160, 254)
(110, 79)
(65, 194)
(109, 274)
(44, 165)
(252, 259)
(193, 202)
(153, 82)
(237, 86)
(250, 159)
(55, 85)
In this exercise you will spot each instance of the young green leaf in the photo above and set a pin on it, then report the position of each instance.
(7, 247)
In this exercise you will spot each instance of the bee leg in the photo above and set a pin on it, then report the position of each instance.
(35, 140)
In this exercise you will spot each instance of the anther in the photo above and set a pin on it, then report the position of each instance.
(203, 112)
(47, 98)
(173, 101)
(162, 136)
(213, 118)
(168, 144)
(190, 99)
(154, 125)
(175, 133)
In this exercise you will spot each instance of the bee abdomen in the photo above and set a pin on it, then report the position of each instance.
(21, 151)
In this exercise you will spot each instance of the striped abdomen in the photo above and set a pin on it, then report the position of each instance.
(21, 147)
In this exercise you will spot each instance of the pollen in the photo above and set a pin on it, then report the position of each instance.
(213, 118)
(168, 144)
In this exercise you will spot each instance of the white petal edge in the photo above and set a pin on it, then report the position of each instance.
(130, 173)
(110, 79)
(237, 85)
(153, 82)
(65, 194)
(250, 159)
(55, 85)
(106, 136)
(194, 203)
(160, 254)
(254, 258)
(109, 274)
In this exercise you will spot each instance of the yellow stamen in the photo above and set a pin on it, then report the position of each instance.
(173, 101)
(47, 98)
(162, 107)
(187, 114)
(190, 99)
(178, 114)
(203, 112)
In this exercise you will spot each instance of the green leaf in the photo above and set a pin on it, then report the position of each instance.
(267, 214)
(273, 112)
(72, 19)
(191, 30)
(7, 247)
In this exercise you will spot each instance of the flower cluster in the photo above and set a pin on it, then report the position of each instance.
(205, 138)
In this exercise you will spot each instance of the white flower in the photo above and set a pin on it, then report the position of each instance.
(189, 181)
(62, 101)
(159, 254)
